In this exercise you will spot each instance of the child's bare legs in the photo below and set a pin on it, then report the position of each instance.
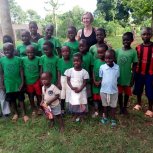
(139, 99)
(14, 107)
(150, 105)
(61, 123)
(62, 105)
(32, 103)
(120, 100)
(113, 112)
(126, 98)
(39, 98)
(96, 108)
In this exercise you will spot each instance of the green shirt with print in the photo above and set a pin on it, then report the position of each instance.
(125, 59)
(21, 49)
(64, 65)
(96, 67)
(49, 64)
(55, 41)
(31, 69)
(11, 69)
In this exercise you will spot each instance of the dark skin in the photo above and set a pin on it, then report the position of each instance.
(100, 36)
(146, 35)
(9, 53)
(33, 29)
(25, 37)
(83, 48)
(109, 59)
(49, 30)
(71, 34)
(46, 81)
(31, 55)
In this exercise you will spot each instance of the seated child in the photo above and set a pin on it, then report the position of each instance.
(109, 73)
(50, 97)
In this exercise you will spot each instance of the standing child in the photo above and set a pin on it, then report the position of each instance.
(50, 100)
(77, 79)
(25, 37)
(35, 36)
(49, 30)
(14, 79)
(32, 78)
(144, 71)
(109, 73)
(48, 62)
(72, 43)
(100, 60)
(100, 36)
(126, 59)
(64, 64)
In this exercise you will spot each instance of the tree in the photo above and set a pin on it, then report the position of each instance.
(17, 14)
(33, 16)
(6, 19)
(141, 10)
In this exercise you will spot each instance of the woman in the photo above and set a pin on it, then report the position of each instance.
(88, 32)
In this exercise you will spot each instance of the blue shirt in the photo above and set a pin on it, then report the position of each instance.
(109, 78)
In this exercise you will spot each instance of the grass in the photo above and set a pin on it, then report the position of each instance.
(134, 133)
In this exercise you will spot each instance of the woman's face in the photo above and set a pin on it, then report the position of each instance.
(86, 19)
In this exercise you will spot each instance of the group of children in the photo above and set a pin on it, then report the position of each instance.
(71, 77)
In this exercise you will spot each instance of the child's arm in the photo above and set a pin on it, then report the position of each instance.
(59, 52)
(59, 81)
(69, 83)
(22, 78)
(133, 71)
(96, 83)
(54, 99)
(41, 70)
(77, 90)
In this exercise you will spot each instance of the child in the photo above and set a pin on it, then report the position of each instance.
(100, 36)
(35, 36)
(144, 70)
(25, 37)
(49, 30)
(72, 43)
(64, 64)
(50, 98)
(77, 79)
(48, 62)
(109, 73)
(126, 59)
(31, 73)
(14, 79)
(100, 60)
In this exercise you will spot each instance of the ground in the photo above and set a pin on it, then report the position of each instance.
(134, 133)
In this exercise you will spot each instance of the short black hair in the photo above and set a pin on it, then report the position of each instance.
(7, 38)
(73, 28)
(102, 30)
(33, 22)
(49, 25)
(103, 46)
(146, 28)
(79, 55)
(8, 44)
(111, 51)
(50, 44)
(30, 46)
(129, 35)
(84, 41)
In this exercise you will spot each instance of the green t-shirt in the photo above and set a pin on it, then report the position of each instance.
(125, 59)
(64, 65)
(53, 40)
(21, 49)
(31, 69)
(49, 64)
(87, 61)
(96, 67)
(93, 50)
(11, 69)
(74, 46)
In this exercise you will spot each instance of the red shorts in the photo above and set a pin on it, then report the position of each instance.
(96, 97)
(124, 89)
(34, 88)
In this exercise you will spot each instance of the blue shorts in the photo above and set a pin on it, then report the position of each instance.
(140, 82)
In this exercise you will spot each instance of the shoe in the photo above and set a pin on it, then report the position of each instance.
(104, 120)
(113, 123)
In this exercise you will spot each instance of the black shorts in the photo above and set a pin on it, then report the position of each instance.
(13, 96)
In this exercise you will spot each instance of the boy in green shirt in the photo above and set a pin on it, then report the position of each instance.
(14, 80)
(48, 62)
(21, 49)
(32, 78)
(49, 30)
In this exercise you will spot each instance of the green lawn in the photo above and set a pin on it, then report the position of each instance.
(134, 133)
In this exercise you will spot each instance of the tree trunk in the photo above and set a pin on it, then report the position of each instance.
(6, 19)
(152, 21)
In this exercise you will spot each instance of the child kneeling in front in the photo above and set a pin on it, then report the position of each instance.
(109, 73)
(50, 100)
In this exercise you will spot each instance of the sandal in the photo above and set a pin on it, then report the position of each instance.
(149, 113)
(25, 118)
(113, 123)
(104, 120)
(15, 118)
(137, 107)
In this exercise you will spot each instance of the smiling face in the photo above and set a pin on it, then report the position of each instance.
(100, 36)
(8, 50)
(83, 46)
(30, 51)
(101, 53)
(25, 37)
(87, 19)
(46, 79)
(71, 33)
(33, 28)
(109, 58)
(127, 41)
(65, 52)
(47, 50)
(49, 30)
(77, 62)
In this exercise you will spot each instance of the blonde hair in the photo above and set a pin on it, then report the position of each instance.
(90, 15)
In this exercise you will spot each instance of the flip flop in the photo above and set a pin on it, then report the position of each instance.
(15, 118)
(25, 118)
(149, 113)
(137, 107)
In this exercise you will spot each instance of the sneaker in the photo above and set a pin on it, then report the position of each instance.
(104, 120)
(113, 123)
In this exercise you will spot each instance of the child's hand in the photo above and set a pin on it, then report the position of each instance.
(77, 90)
(59, 86)
(21, 86)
